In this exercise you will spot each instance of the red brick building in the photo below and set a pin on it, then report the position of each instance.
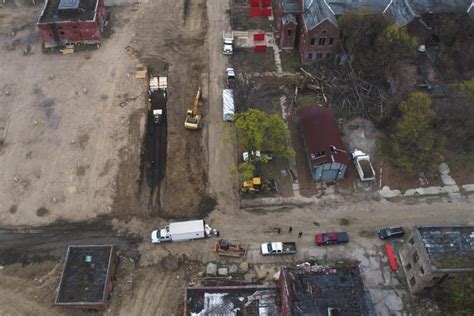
(311, 25)
(64, 22)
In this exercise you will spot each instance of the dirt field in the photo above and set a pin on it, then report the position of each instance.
(63, 139)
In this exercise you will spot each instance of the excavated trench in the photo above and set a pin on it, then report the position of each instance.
(155, 144)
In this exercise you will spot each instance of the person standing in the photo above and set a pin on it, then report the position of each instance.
(290, 229)
(300, 234)
(278, 230)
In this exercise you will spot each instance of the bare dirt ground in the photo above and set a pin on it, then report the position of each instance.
(171, 39)
(64, 132)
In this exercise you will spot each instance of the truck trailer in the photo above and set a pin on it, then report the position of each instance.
(181, 231)
(228, 108)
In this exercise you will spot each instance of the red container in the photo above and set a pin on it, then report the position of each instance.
(391, 257)
(258, 37)
(260, 48)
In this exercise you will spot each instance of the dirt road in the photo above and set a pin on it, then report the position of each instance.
(221, 152)
(51, 242)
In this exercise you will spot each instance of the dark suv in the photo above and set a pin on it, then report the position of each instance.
(391, 232)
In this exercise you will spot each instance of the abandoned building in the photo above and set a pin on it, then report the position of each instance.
(318, 291)
(76, 22)
(311, 25)
(436, 253)
(232, 300)
(86, 281)
(322, 140)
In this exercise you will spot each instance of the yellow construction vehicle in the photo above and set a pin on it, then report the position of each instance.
(193, 118)
(257, 185)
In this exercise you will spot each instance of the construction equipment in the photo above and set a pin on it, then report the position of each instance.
(257, 185)
(193, 118)
(231, 248)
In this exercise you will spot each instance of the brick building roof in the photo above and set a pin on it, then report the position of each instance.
(322, 136)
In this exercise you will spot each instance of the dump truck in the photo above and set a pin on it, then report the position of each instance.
(228, 41)
(228, 108)
(158, 116)
(230, 76)
(363, 166)
(181, 231)
(193, 118)
(278, 248)
(231, 248)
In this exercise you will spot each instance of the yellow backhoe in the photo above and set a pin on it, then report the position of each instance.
(193, 118)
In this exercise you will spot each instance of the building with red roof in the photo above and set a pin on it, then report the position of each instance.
(327, 157)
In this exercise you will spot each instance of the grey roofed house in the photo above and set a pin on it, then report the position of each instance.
(401, 11)
(287, 18)
(292, 6)
(315, 12)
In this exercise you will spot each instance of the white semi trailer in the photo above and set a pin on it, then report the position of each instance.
(181, 231)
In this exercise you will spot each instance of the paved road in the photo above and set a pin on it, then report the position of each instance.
(222, 153)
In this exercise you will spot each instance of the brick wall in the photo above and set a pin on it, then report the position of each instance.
(319, 43)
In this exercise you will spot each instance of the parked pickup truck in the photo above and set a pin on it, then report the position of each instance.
(331, 238)
(228, 40)
(363, 166)
(180, 231)
(278, 248)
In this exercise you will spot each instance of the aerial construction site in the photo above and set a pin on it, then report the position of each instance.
(219, 157)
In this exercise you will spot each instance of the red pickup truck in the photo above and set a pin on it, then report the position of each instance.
(331, 238)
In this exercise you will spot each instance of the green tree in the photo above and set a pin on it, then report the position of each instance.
(246, 170)
(257, 130)
(375, 43)
(396, 44)
(467, 87)
(458, 296)
(418, 147)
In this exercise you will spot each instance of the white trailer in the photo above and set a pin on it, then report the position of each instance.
(228, 108)
(363, 166)
(180, 231)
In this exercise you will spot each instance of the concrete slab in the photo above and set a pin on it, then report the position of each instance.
(468, 187)
(386, 192)
(443, 168)
(447, 179)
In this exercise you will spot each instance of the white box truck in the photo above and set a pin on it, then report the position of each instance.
(228, 108)
(180, 231)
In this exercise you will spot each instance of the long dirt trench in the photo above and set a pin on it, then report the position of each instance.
(171, 39)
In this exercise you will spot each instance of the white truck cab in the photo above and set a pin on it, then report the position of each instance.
(272, 248)
(228, 39)
(160, 235)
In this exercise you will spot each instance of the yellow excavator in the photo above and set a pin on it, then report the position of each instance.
(193, 118)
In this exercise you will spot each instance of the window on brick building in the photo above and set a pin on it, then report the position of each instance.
(310, 56)
(313, 40)
(62, 33)
(322, 41)
(331, 41)
(412, 281)
(289, 32)
(324, 32)
(319, 55)
(416, 257)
